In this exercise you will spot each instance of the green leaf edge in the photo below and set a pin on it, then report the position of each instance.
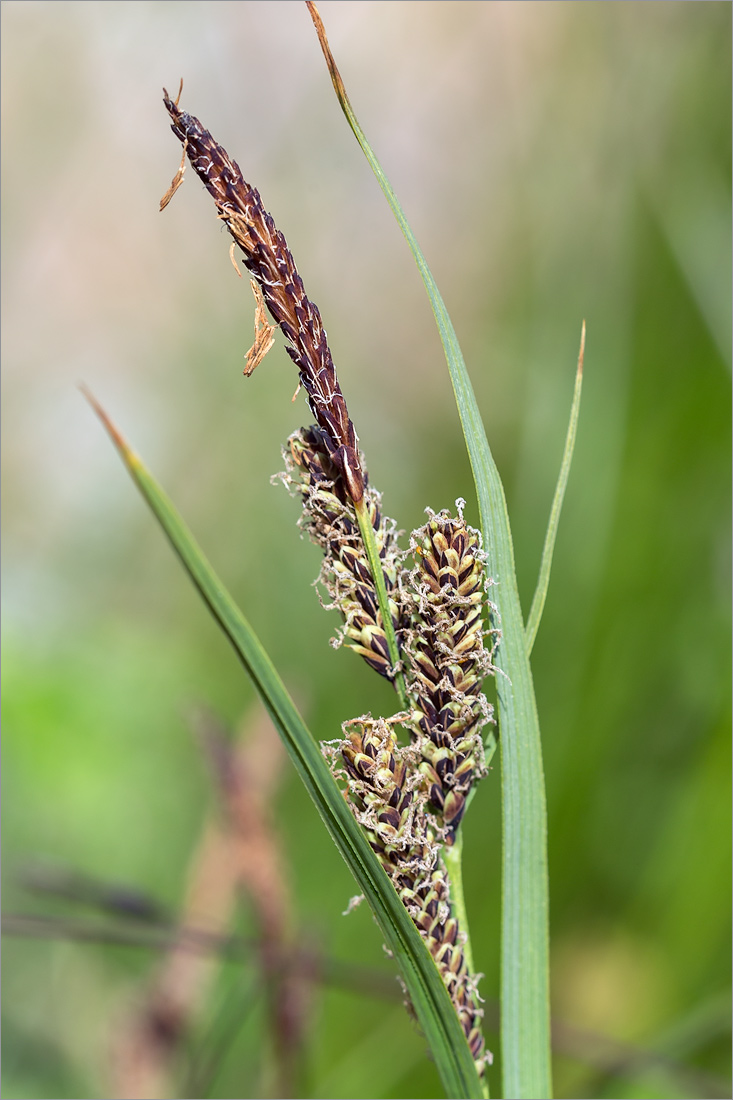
(431, 1001)
(525, 992)
(543, 578)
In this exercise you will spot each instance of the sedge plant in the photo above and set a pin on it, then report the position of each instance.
(434, 618)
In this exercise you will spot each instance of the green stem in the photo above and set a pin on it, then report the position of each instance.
(453, 857)
(375, 564)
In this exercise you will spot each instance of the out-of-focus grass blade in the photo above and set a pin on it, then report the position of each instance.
(430, 998)
(525, 1009)
(543, 580)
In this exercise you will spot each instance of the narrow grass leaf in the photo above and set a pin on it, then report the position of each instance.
(429, 996)
(540, 595)
(525, 1011)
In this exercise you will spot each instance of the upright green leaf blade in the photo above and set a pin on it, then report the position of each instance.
(429, 996)
(525, 1011)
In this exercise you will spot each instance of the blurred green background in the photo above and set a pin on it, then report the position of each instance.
(557, 161)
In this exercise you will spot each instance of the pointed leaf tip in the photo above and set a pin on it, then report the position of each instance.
(128, 455)
(581, 353)
(330, 61)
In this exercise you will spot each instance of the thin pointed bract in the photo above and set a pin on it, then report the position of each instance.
(525, 1005)
(543, 580)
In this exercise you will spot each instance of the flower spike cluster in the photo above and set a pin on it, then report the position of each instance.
(410, 799)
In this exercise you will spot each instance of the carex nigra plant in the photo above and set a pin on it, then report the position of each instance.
(393, 790)
(420, 626)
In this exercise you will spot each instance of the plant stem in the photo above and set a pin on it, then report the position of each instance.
(375, 564)
(453, 857)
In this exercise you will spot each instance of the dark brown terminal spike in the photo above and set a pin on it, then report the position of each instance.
(268, 258)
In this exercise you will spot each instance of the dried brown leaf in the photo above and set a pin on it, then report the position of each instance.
(264, 333)
(177, 179)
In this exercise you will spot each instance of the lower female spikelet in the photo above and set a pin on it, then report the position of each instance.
(386, 794)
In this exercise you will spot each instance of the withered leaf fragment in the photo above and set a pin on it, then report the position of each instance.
(264, 333)
(176, 181)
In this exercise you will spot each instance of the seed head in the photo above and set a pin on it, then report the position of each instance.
(268, 258)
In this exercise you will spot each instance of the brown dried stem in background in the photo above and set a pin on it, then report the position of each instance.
(238, 852)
